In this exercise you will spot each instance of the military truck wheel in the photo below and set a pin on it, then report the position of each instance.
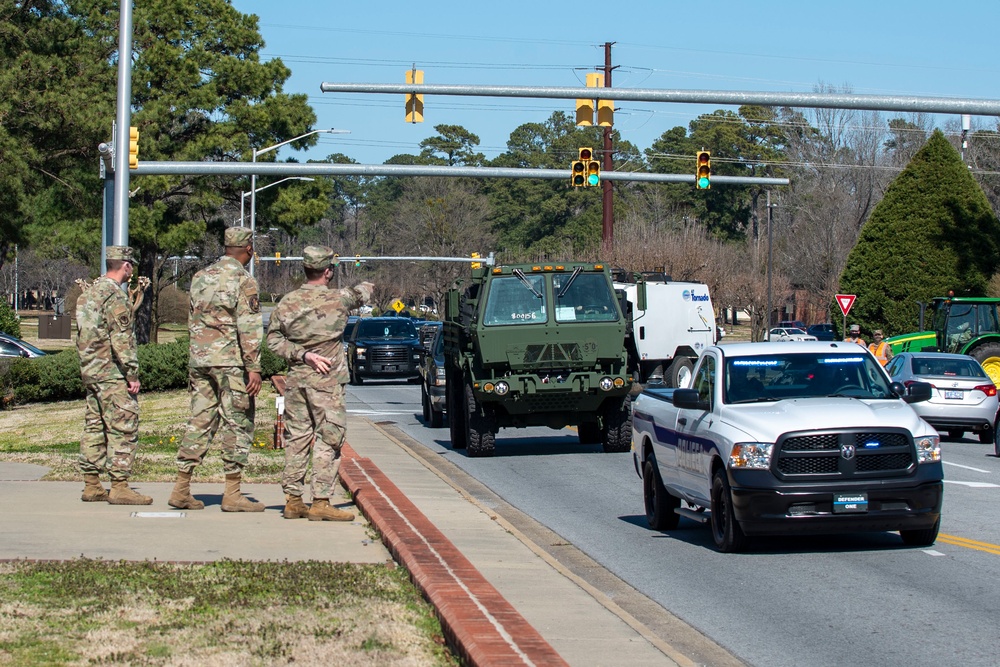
(456, 412)
(617, 432)
(589, 432)
(988, 355)
(480, 425)
(679, 373)
(726, 532)
(437, 418)
(660, 505)
(425, 403)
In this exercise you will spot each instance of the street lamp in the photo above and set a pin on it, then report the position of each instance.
(244, 195)
(253, 177)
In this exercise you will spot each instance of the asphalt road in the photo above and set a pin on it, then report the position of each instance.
(859, 599)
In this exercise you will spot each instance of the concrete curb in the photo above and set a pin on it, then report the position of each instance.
(483, 627)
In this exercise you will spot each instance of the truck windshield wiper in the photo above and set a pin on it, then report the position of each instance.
(759, 399)
(569, 282)
(527, 283)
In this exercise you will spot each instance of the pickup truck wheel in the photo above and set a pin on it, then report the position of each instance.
(728, 535)
(924, 537)
(618, 426)
(679, 373)
(437, 418)
(355, 378)
(425, 403)
(480, 425)
(660, 505)
(456, 412)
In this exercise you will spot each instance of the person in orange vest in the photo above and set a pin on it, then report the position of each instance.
(855, 336)
(881, 349)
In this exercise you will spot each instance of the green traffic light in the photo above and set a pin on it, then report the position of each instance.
(593, 179)
(703, 183)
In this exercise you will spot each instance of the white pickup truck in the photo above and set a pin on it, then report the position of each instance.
(777, 439)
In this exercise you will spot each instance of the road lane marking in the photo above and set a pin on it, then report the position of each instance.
(932, 552)
(959, 465)
(969, 544)
(974, 485)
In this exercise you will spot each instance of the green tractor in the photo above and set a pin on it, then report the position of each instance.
(965, 325)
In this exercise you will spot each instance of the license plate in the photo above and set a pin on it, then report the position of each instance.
(954, 394)
(389, 369)
(846, 503)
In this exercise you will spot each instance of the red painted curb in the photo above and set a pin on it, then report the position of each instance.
(483, 627)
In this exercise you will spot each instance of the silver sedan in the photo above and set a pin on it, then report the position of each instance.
(963, 396)
(788, 333)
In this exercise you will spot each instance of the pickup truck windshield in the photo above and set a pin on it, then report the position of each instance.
(386, 329)
(583, 297)
(775, 377)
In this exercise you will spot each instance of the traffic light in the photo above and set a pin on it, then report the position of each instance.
(133, 147)
(414, 101)
(703, 172)
(357, 260)
(591, 167)
(477, 265)
(605, 113)
(585, 108)
(579, 174)
(277, 259)
(336, 260)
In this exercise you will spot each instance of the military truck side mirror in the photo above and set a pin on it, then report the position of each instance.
(451, 307)
(640, 295)
(917, 392)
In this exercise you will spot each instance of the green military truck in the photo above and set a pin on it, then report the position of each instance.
(538, 345)
(965, 325)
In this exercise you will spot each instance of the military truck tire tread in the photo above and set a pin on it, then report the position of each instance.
(482, 436)
(618, 427)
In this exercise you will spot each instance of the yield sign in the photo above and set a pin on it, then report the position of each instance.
(845, 301)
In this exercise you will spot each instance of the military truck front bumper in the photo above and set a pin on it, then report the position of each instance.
(570, 392)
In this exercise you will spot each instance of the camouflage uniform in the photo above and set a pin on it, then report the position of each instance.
(226, 328)
(312, 319)
(105, 341)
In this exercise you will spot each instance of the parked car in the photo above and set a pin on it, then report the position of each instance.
(792, 324)
(434, 379)
(787, 334)
(823, 331)
(12, 346)
(963, 397)
(384, 347)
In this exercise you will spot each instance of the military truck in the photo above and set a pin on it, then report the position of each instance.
(538, 345)
(964, 325)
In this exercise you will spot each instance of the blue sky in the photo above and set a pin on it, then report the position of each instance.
(876, 47)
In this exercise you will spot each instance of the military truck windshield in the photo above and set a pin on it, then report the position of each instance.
(775, 377)
(511, 301)
(586, 297)
(400, 328)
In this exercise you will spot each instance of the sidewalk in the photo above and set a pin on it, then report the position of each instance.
(498, 598)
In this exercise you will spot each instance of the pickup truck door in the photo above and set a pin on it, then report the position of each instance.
(695, 442)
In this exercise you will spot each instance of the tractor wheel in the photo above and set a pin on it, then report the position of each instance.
(988, 355)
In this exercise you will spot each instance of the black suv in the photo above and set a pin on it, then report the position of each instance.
(383, 347)
(432, 371)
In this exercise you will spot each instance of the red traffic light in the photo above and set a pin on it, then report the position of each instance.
(586, 153)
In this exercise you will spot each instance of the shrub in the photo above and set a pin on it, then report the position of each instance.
(9, 324)
(270, 363)
(165, 366)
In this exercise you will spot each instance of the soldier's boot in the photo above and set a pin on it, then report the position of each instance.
(181, 497)
(234, 501)
(121, 494)
(322, 510)
(294, 507)
(93, 491)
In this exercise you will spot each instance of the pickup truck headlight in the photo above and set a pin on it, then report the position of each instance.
(440, 376)
(361, 352)
(751, 455)
(928, 448)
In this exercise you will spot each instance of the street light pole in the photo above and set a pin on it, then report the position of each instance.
(243, 195)
(770, 261)
(253, 177)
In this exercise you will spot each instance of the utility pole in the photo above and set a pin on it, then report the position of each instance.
(607, 198)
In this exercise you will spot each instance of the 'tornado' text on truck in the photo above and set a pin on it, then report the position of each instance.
(773, 438)
(538, 345)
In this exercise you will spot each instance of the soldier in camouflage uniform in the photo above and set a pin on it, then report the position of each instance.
(109, 369)
(307, 329)
(226, 329)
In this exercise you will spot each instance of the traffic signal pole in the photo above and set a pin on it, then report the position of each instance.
(123, 119)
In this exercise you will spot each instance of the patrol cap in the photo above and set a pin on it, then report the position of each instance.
(238, 236)
(855, 328)
(121, 252)
(317, 257)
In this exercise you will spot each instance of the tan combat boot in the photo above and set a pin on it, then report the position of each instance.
(121, 494)
(322, 510)
(93, 492)
(234, 501)
(181, 497)
(294, 507)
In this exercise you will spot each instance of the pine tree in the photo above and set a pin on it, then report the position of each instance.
(934, 231)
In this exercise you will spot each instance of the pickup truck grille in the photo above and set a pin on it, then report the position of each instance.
(844, 454)
(389, 354)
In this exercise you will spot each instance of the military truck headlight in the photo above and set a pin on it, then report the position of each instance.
(361, 352)
(488, 387)
(928, 449)
(607, 384)
(751, 455)
(619, 383)
(502, 388)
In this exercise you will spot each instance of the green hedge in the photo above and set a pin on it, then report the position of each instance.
(9, 324)
(56, 377)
